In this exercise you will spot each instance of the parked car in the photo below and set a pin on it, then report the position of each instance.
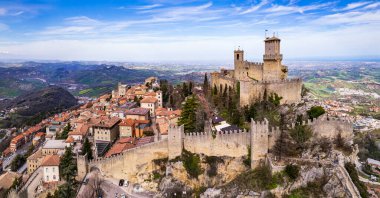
(122, 195)
(126, 183)
(121, 182)
(85, 181)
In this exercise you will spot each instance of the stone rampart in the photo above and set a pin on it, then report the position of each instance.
(231, 143)
(128, 163)
(289, 89)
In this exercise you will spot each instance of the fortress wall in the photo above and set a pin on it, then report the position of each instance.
(274, 134)
(290, 90)
(128, 163)
(231, 144)
(330, 128)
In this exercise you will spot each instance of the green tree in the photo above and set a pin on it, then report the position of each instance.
(205, 85)
(136, 100)
(215, 90)
(86, 149)
(65, 133)
(275, 99)
(30, 151)
(315, 112)
(292, 171)
(17, 162)
(185, 89)
(65, 190)
(301, 134)
(188, 115)
(68, 166)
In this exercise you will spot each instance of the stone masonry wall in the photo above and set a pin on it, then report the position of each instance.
(128, 163)
(232, 144)
(290, 90)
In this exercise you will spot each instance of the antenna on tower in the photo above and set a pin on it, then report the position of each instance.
(266, 33)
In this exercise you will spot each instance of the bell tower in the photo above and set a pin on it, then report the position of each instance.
(272, 59)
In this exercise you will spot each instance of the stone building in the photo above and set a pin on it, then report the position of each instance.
(107, 129)
(253, 79)
(50, 168)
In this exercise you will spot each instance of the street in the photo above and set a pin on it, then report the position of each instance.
(108, 186)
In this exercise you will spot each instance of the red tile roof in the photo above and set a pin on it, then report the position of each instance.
(51, 160)
(127, 122)
(148, 100)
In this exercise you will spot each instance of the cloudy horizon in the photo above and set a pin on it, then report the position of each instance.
(187, 30)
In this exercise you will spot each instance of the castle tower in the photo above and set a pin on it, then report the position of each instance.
(272, 69)
(239, 64)
(82, 166)
(175, 141)
(259, 142)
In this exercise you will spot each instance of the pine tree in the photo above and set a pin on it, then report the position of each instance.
(68, 166)
(185, 89)
(86, 149)
(205, 85)
(190, 88)
(215, 91)
(188, 115)
(65, 133)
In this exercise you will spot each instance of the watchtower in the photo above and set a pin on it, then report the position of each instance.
(272, 57)
(175, 141)
(259, 142)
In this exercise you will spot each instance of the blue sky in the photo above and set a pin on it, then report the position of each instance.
(186, 30)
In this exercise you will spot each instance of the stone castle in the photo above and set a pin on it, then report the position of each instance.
(260, 140)
(253, 79)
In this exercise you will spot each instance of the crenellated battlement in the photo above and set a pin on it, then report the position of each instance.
(291, 80)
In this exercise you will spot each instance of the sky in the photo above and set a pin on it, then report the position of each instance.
(187, 30)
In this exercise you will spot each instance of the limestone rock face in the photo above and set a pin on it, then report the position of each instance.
(227, 171)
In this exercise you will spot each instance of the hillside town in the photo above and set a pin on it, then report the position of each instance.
(129, 117)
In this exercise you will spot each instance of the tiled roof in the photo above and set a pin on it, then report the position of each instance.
(51, 160)
(69, 139)
(144, 140)
(17, 138)
(148, 100)
(127, 122)
(108, 122)
(137, 111)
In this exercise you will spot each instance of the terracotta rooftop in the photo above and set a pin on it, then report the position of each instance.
(6, 179)
(51, 160)
(17, 138)
(121, 145)
(148, 100)
(69, 139)
(108, 122)
(137, 111)
(127, 122)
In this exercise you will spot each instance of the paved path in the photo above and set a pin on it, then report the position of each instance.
(109, 187)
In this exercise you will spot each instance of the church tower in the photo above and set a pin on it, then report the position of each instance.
(273, 69)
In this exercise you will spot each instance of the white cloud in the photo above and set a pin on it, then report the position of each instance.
(373, 5)
(3, 11)
(82, 20)
(255, 7)
(148, 7)
(67, 30)
(354, 5)
(354, 17)
(278, 10)
(3, 27)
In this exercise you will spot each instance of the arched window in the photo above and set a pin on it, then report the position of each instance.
(237, 56)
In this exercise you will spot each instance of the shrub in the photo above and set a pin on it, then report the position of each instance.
(191, 162)
(292, 171)
(342, 144)
(213, 162)
(315, 112)
(247, 161)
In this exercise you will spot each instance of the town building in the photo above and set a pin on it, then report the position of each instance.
(150, 103)
(107, 129)
(54, 147)
(127, 128)
(138, 114)
(50, 168)
(34, 161)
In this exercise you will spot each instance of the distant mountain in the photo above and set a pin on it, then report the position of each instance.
(36, 105)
